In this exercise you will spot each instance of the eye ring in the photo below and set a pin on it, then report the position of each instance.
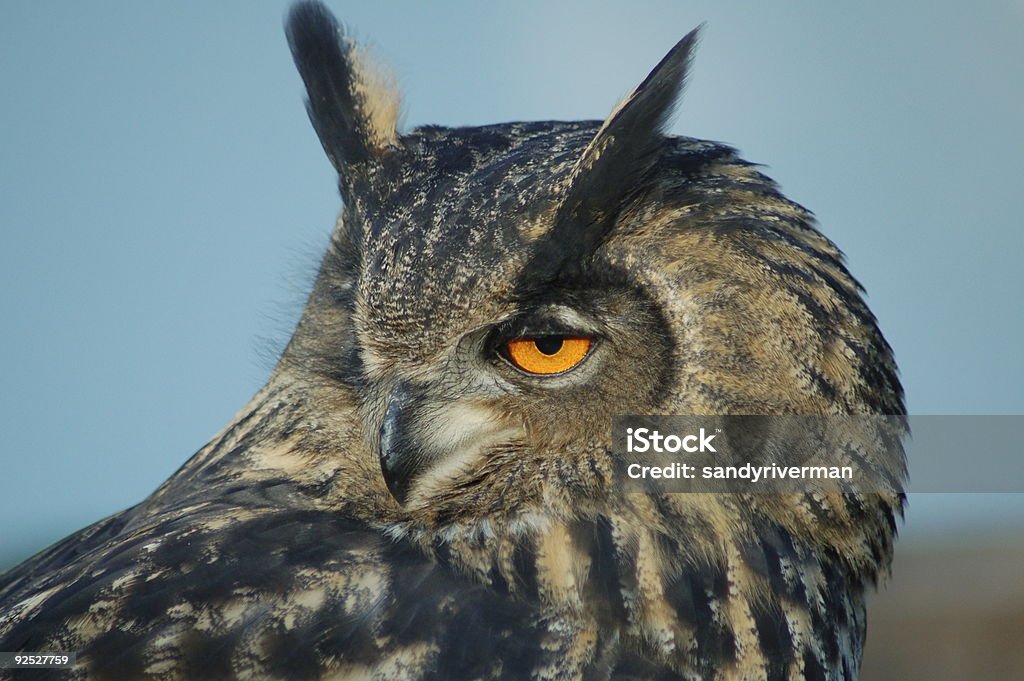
(547, 355)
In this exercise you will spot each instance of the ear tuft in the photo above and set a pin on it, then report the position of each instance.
(622, 152)
(353, 103)
(647, 110)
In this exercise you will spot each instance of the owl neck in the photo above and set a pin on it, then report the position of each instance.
(710, 585)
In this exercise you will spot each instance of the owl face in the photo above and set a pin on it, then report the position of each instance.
(475, 340)
(493, 296)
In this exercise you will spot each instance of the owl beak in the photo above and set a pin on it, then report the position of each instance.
(400, 459)
(426, 440)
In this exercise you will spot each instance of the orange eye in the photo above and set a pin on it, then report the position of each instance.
(546, 355)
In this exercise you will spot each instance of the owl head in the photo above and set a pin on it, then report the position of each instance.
(492, 296)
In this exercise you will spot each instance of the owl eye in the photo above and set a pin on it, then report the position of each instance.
(546, 355)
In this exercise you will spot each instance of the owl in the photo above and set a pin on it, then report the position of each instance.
(425, 488)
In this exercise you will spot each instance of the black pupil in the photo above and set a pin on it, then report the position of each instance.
(549, 345)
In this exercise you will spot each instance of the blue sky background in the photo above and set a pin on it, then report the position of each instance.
(164, 198)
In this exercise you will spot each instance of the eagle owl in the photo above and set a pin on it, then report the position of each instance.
(424, 488)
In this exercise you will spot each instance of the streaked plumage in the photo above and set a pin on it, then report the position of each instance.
(400, 502)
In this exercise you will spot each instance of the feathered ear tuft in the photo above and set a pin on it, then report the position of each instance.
(621, 153)
(352, 103)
